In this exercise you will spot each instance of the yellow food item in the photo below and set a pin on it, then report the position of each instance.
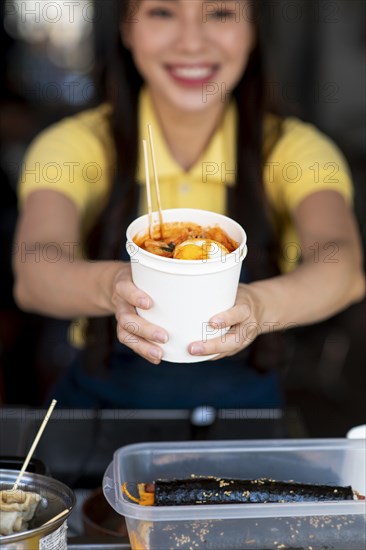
(17, 508)
(199, 249)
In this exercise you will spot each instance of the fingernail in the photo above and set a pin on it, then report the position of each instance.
(197, 349)
(160, 336)
(143, 303)
(155, 353)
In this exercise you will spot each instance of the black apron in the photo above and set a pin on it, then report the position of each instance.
(132, 382)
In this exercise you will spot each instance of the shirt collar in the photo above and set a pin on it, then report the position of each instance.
(217, 162)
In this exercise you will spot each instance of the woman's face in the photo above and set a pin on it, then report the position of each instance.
(191, 53)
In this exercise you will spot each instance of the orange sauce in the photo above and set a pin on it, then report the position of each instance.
(176, 233)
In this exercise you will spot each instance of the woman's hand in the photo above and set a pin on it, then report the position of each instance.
(133, 331)
(243, 321)
(324, 283)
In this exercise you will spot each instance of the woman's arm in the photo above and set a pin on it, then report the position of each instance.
(49, 279)
(329, 279)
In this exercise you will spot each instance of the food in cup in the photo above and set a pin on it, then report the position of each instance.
(17, 509)
(187, 241)
(217, 490)
(160, 276)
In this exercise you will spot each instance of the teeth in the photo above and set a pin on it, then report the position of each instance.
(192, 72)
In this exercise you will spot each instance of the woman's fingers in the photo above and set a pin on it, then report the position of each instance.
(125, 290)
(233, 316)
(132, 330)
(235, 339)
(240, 326)
(130, 338)
(140, 335)
(136, 325)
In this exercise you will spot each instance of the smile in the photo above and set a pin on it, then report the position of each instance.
(192, 73)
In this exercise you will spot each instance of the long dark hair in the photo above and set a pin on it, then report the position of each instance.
(246, 200)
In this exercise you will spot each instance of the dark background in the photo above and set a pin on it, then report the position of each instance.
(316, 61)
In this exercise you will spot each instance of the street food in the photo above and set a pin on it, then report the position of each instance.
(216, 490)
(233, 533)
(187, 241)
(17, 508)
(199, 249)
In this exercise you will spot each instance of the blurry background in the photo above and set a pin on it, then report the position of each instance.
(316, 61)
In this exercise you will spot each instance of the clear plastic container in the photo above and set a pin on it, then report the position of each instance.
(308, 526)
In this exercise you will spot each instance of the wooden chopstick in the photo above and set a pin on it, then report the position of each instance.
(148, 190)
(59, 516)
(34, 445)
(157, 189)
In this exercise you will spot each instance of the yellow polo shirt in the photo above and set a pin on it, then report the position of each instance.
(76, 157)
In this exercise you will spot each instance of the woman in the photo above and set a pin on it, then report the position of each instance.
(193, 70)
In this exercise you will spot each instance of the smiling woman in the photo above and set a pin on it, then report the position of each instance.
(181, 46)
(194, 70)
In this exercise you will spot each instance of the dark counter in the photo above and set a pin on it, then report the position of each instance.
(87, 543)
(77, 445)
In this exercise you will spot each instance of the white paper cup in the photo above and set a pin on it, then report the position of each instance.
(186, 293)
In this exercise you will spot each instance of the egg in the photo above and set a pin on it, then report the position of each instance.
(200, 249)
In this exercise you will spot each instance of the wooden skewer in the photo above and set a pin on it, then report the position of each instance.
(34, 445)
(148, 190)
(157, 189)
(59, 516)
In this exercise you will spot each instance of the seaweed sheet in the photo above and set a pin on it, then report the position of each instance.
(214, 490)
